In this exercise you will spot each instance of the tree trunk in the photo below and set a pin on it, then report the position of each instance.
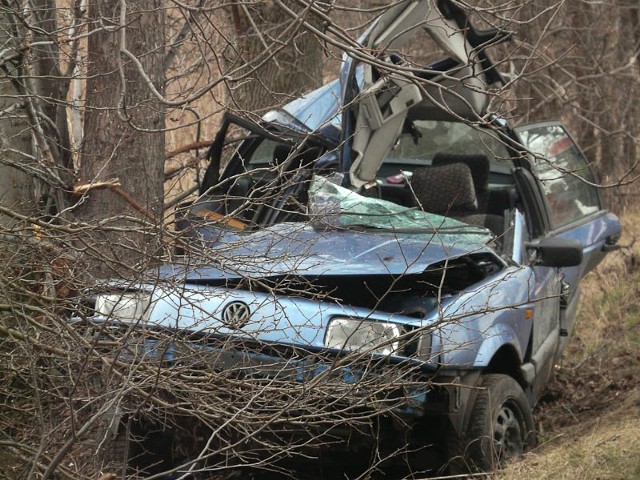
(16, 185)
(123, 132)
(51, 85)
(278, 59)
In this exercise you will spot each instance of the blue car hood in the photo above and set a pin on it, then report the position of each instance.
(297, 249)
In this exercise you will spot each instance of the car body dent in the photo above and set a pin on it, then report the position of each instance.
(467, 329)
(273, 254)
(297, 249)
(197, 314)
(513, 304)
(479, 319)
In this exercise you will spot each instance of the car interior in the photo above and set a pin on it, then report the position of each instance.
(445, 167)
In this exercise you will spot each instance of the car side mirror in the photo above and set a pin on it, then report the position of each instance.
(557, 252)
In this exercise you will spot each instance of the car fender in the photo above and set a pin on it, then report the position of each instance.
(495, 338)
(476, 324)
(477, 352)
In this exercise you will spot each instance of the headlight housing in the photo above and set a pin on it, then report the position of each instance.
(128, 307)
(359, 335)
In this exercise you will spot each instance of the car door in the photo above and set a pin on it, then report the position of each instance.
(573, 201)
(263, 181)
(573, 205)
(544, 294)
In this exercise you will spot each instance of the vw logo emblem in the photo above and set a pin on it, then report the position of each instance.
(236, 315)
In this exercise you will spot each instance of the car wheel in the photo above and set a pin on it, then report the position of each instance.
(500, 426)
(115, 451)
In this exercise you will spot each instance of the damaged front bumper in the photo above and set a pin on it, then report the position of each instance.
(351, 382)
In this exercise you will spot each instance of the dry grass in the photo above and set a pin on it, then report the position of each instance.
(605, 447)
(590, 425)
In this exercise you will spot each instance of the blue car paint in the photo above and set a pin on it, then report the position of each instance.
(275, 319)
(476, 318)
(296, 248)
(466, 329)
(592, 233)
(475, 321)
(483, 318)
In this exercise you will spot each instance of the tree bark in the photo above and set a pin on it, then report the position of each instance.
(51, 85)
(16, 185)
(123, 130)
(279, 58)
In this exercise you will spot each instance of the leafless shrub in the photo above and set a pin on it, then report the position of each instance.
(79, 399)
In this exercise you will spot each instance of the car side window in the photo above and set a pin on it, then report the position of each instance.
(564, 172)
(262, 156)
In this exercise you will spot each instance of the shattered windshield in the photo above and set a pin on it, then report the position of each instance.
(333, 206)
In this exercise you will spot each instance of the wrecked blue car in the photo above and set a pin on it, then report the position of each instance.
(410, 262)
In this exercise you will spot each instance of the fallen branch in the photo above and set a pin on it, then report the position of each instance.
(188, 148)
(115, 186)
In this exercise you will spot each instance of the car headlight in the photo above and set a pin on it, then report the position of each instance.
(130, 307)
(356, 334)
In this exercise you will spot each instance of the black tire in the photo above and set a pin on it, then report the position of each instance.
(499, 428)
(115, 451)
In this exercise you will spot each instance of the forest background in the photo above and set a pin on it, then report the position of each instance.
(107, 108)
